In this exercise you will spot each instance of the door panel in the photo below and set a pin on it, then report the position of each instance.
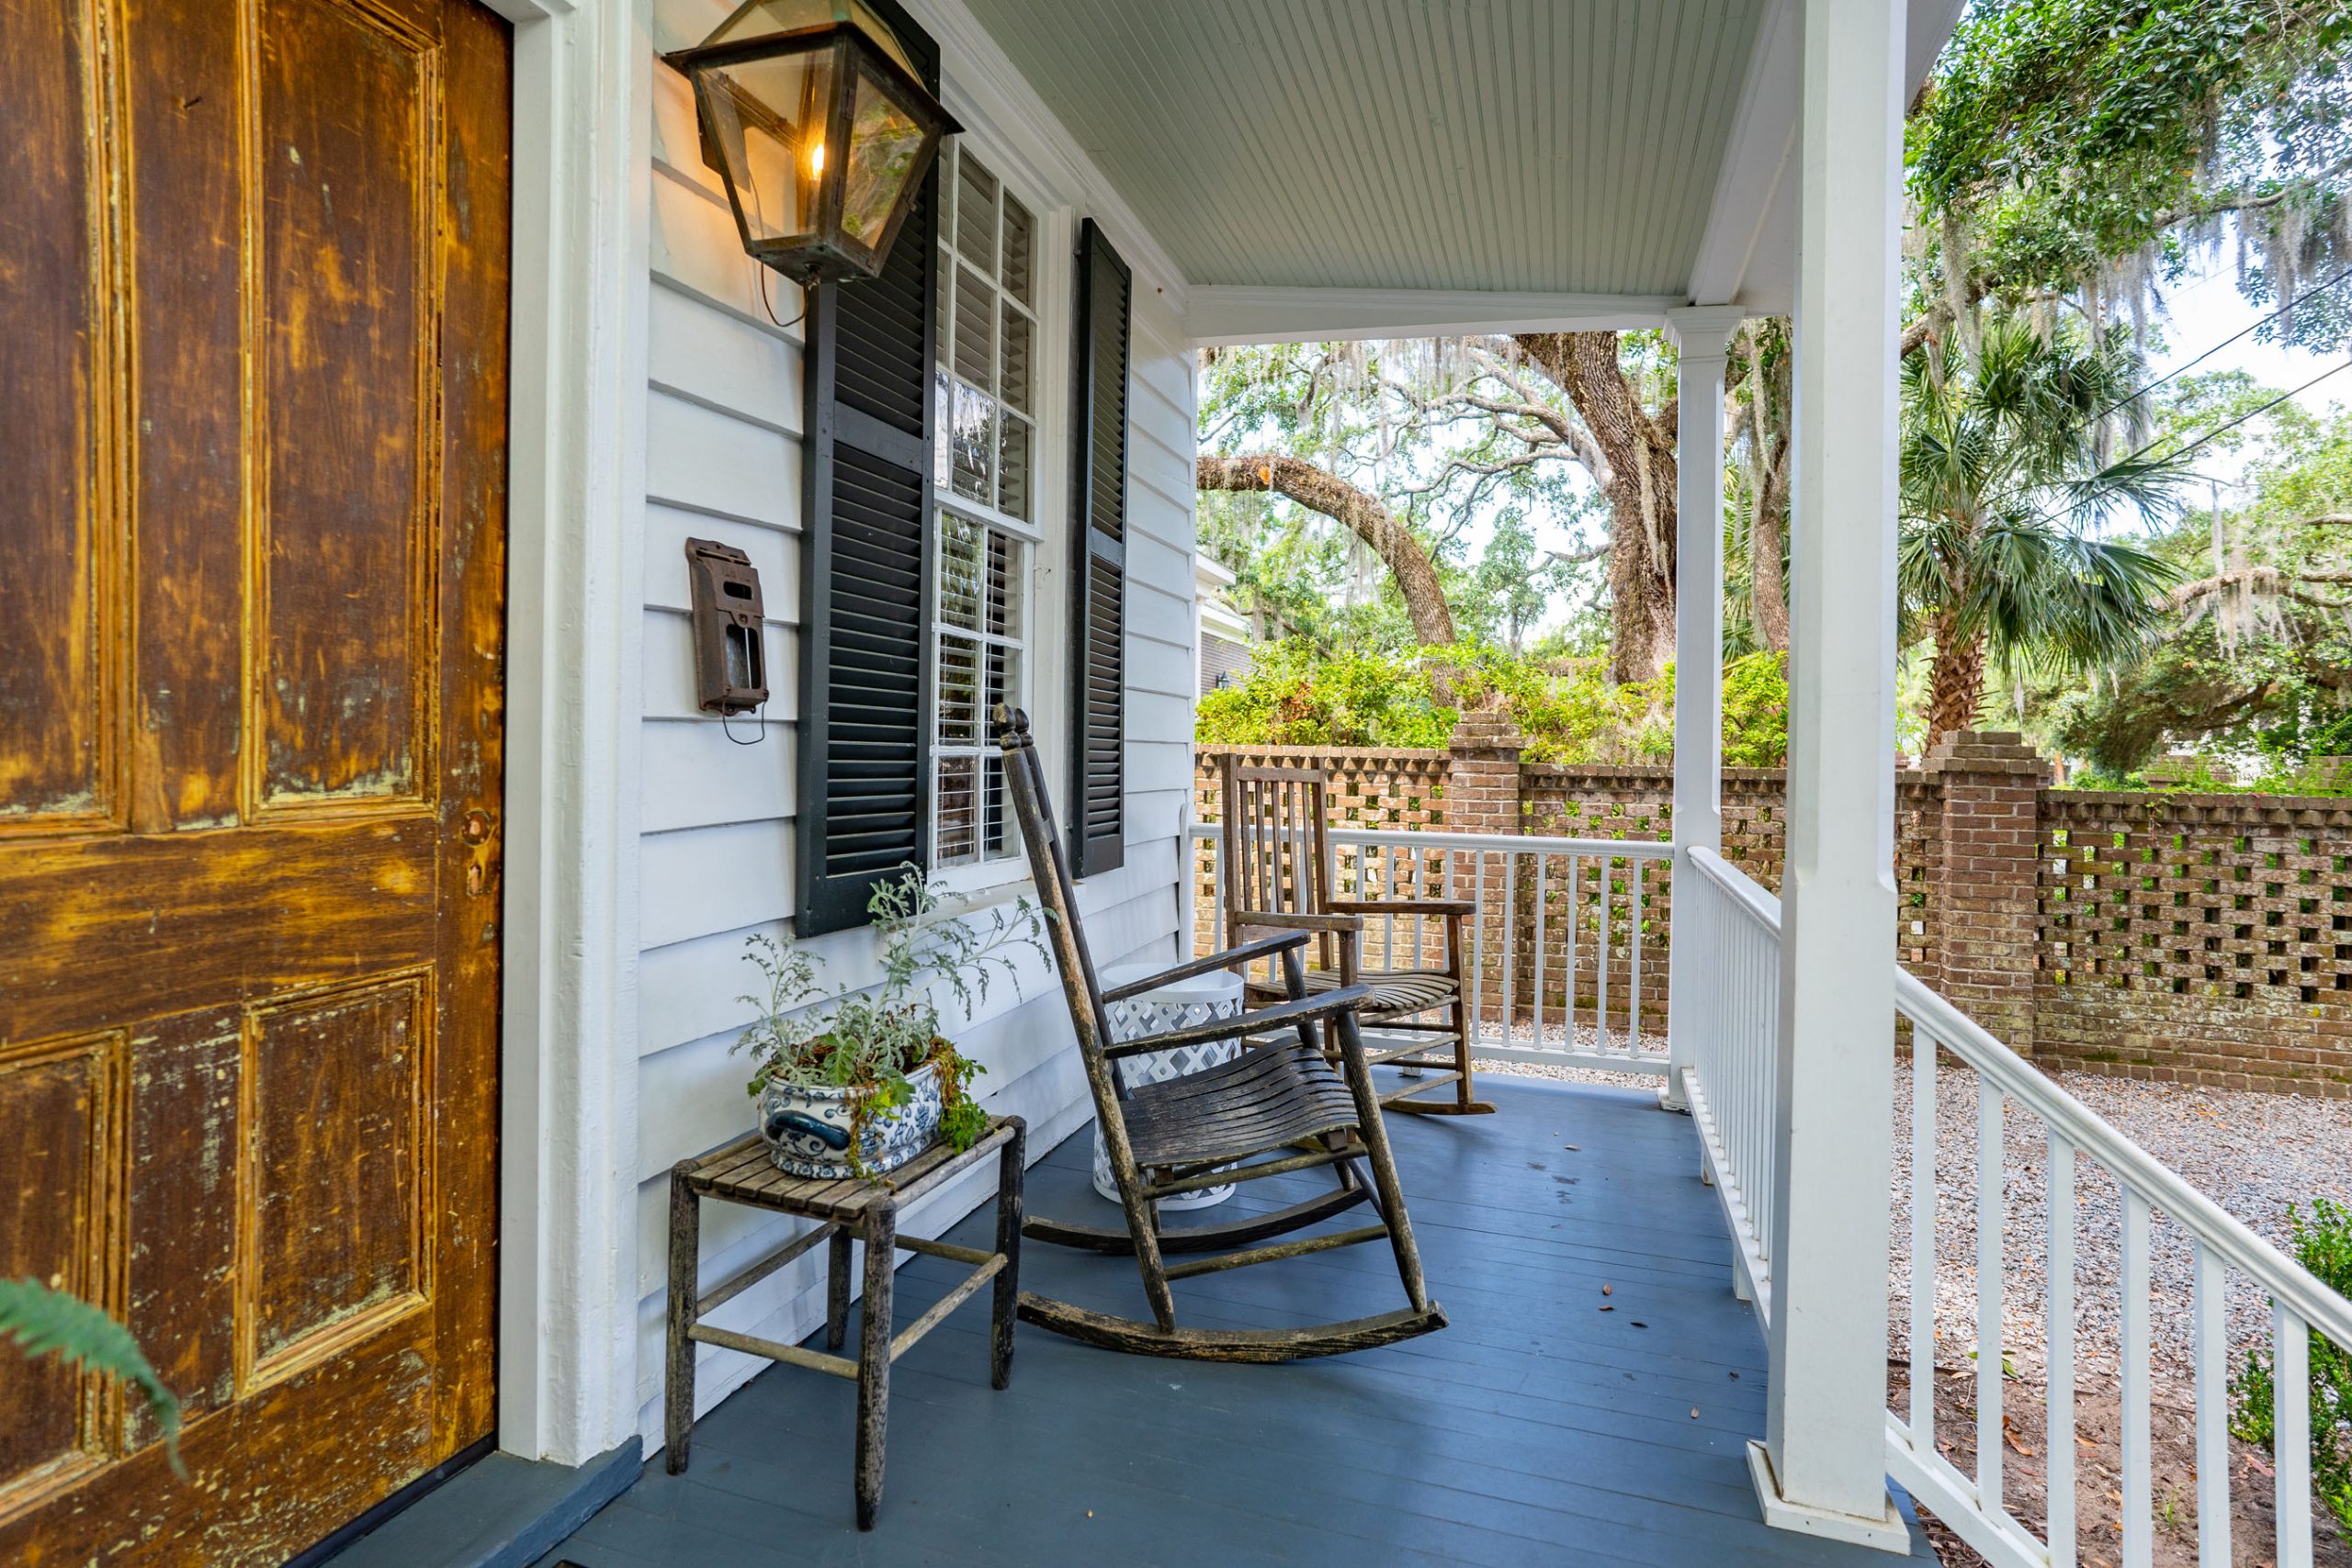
(253, 317)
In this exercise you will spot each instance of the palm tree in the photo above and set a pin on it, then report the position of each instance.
(2006, 491)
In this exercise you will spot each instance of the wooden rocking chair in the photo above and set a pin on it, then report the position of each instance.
(1279, 874)
(1281, 1106)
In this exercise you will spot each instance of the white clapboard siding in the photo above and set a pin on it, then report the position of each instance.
(723, 462)
(722, 362)
(713, 879)
(669, 691)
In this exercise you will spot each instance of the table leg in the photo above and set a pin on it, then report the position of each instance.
(837, 1287)
(874, 1359)
(1010, 1167)
(685, 1247)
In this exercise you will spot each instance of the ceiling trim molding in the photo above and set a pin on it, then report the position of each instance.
(1222, 314)
(980, 77)
(1755, 158)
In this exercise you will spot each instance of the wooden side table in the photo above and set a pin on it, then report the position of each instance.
(851, 1210)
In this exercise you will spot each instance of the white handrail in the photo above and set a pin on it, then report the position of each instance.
(1728, 1066)
(1598, 932)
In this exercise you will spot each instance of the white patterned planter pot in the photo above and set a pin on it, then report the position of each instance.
(1195, 1000)
(807, 1130)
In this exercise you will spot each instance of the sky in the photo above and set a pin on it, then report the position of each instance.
(2209, 310)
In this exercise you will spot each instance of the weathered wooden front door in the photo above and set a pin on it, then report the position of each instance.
(253, 344)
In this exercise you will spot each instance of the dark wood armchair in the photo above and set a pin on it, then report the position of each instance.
(1279, 875)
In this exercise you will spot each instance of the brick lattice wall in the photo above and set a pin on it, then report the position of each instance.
(2202, 939)
(2197, 939)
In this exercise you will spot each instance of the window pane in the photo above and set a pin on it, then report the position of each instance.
(1004, 686)
(1014, 354)
(1012, 466)
(959, 691)
(972, 436)
(942, 451)
(975, 213)
(958, 807)
(975, 355)
(960, 573)
(1019, 231)
(1004, 579)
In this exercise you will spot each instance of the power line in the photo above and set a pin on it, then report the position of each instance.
(2256, 413)
(2183, 369)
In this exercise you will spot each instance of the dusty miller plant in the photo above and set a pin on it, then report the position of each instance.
(870, 1041)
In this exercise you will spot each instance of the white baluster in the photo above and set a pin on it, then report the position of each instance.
(1510, 940)
(2139, 1473)
(1988, 1293)
(1478, 951)
(1634, 983)
(1539, 959)
(2058, 1434)
(1922, 1240)
(2290, 1431)
(2212, 1358)
(1602, 878)
(1571, 960)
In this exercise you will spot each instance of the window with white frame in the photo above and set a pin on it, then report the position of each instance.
(985, 484)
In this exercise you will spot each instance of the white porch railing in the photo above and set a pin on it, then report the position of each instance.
(1731, 1091)
(1556, 951)
(1731, 1080)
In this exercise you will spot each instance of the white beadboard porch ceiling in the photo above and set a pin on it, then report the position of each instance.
(1356, 166)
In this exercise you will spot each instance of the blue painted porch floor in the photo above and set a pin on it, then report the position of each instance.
(1537, 1428)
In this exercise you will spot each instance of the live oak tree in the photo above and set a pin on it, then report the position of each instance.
(2076, 155)
(1402, 444)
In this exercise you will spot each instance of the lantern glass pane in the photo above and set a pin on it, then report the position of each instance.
(884, 143)
(766, 18)
(767, 118)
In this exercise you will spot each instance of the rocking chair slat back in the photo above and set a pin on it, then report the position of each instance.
(1032, 809)
(1277, 846)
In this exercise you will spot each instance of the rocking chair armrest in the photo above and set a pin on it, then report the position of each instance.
(1303, 1009)
(1286, 920)
(1247, 952)
(1403, 906)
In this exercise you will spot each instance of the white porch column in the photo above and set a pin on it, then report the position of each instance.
(1822, 1466)
(1702, 334)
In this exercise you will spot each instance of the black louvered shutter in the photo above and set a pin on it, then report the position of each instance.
(1098, 677)
(866, 691)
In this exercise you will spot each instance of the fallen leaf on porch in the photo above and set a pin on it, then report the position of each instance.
(1639, 1323)
(1608, 1309)
(1604, 1288)
(2083, 1442)
(1735, 1377)
(1694, 1412)
(1571, 1148)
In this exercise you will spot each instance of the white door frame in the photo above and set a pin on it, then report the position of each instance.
(567, 1265)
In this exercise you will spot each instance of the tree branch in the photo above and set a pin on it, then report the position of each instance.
(1359, 511)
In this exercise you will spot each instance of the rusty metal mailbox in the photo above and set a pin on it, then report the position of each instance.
(730, 659)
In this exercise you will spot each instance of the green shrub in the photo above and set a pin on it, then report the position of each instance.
(1568, 707)
(1293, 697)
(2323, 1244)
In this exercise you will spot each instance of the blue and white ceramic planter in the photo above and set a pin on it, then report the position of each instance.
(807, 1130)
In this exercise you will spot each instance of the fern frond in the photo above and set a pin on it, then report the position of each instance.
(48, 1322)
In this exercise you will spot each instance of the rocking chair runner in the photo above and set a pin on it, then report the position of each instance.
(1281, 1106)
(1279, 875)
